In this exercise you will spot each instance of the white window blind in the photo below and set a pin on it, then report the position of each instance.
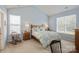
(15, 24)
(66, 24)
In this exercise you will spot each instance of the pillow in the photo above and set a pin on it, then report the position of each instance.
(42, 29)
(36, 29)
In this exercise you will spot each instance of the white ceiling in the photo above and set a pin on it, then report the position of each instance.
(54, 9)
(14, 6)
(48, 9)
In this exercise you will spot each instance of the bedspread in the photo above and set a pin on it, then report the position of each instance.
(45, 37)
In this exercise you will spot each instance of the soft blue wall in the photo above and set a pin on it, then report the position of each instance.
(52, 22)
(29, 14)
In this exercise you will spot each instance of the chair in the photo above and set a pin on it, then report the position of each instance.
(15, 38)
(55, 46)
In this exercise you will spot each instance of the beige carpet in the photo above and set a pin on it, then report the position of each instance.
(32, 46)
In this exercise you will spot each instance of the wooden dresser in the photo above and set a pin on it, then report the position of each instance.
(26, 35)
(77, 39)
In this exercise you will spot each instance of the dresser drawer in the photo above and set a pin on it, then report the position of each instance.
(77, 39)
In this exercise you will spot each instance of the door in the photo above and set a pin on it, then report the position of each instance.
(1, 27)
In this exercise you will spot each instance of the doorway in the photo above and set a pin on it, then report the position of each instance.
(1, 29)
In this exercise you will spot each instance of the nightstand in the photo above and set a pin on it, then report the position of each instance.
(26, 35)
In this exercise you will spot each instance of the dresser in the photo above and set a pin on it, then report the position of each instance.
(26, 35)
(77, 39)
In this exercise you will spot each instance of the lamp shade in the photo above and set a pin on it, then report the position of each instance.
(27, 27)
(46, 26)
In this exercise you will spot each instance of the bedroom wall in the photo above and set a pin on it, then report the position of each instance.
(52, 22)
(29, 14)
(4, 27)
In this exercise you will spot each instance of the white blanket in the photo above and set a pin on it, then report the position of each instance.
(45, 37)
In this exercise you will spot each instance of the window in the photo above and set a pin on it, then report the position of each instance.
(66, 24)
(15, 24)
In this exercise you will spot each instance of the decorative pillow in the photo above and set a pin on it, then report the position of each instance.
(42, 29)
(36, 29)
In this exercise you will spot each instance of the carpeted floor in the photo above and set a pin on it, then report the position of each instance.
(32, 46)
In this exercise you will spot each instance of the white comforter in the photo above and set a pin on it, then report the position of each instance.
(45, 37)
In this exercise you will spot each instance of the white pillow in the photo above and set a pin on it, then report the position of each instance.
(36, 29)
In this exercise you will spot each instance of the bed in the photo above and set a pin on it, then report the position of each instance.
(43, 36)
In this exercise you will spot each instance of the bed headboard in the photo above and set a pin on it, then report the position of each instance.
(37, 27)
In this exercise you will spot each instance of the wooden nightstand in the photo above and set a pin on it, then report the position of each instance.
(26, 35)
